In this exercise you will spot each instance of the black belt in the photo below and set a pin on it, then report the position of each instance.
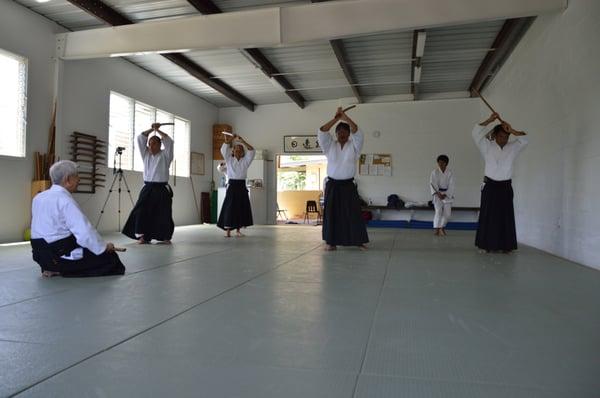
(487, 180)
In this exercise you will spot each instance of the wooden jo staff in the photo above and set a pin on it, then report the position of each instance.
(494, 111)
(488, 105)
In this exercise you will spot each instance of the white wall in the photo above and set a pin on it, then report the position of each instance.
(550, 87)
(83, 106)
(28, 34)
(85, 90)
(414, 133)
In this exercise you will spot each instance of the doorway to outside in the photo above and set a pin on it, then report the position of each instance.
(300, 179)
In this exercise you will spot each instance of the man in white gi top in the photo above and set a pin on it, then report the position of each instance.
(441, 184)
(152, 216)
(63, 240)
(496, 228)
(342, 221)
(236, 212)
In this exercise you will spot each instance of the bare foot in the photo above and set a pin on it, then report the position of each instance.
(443, 231)
(142, 241)
(436, 232)
(50, 274)
(330, 248)
(363, 247)
(228, 233)
(239, 234)
(164, 242)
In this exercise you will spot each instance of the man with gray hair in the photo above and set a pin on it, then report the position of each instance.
(63, 240)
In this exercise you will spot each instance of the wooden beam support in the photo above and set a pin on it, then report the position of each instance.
(340, 54)
(208, 7)
(272, 72)
(505, 42)
(338, 49)
(114, 18)
(102, 11)
(205, 77)
(205, 6)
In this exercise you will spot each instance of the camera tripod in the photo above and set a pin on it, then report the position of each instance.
(120, 177)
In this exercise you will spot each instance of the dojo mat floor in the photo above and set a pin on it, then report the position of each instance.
(273, 315)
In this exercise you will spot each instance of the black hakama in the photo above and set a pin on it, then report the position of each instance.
(48, 256)
(496, 229)
(342, 220)
(152, 215)
(236, 211)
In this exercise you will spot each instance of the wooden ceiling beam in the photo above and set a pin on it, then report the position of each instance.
(257, 56)
(114, 18)
(505, 42)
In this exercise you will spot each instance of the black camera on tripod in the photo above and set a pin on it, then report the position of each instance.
(120, 150)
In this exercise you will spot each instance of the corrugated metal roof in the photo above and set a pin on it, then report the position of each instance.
(381, 63)
(453, 55)
(312, 69)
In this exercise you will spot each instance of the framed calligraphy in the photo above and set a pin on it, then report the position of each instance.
(301, 144)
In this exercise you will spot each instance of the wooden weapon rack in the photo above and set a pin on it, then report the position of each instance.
(89, 153)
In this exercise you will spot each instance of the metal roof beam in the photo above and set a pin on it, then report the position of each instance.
(340, 54)
(505, 42)
(208, 7)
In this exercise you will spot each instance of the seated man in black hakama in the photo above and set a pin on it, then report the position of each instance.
(63, 241)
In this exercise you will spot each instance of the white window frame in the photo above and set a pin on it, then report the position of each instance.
(13, 142)
(180, 144)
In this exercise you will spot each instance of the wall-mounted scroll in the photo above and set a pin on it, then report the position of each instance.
(375, 164)
(197, 163)
(301, 144)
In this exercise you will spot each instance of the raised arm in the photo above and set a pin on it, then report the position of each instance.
(167, 142)
(520, 138)
(243, 141)
(142, 141)
(336, 118)
(249, 152)
(325, 139)
(346, 118)
(480, 131)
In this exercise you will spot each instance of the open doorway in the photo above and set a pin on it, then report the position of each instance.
(300, 180)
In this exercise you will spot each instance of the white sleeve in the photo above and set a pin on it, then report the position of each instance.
(168, 143)
(522, 142)
(249, 157)
(79, 225)
(142, 142)
(479, 132)
(325, 140)
(433, 183)
(226, 151)
(358, 140)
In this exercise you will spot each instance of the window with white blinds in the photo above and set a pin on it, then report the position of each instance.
(120, 132)
(13, 104)
(129, 117)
